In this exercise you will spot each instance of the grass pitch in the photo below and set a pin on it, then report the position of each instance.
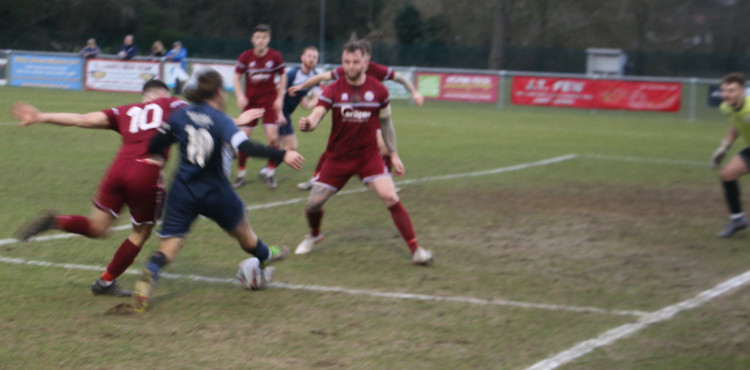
(530, 261)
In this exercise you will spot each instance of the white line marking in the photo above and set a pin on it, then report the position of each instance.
(359, 292)
(346, 192)
(479, 301)
(427, 179)
(647, 160)
(492, 172)
(623, 331)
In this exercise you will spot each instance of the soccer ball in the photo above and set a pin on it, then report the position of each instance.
(251, 276)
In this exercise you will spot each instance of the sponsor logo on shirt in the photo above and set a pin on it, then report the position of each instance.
(349, 114)
(260, 77)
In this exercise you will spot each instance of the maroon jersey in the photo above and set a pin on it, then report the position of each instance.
(260, 88)
(378, 71)
(355, 117)
(137, 123)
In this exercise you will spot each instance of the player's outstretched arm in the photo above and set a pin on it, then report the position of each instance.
(313, 81)
(294, 159)
(415, 95)
(310, 122)
(251, 148)
(309, 102)
(389, 138)
(248, 116)
(29, 115)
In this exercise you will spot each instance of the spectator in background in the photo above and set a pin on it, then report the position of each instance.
(91, 50)
(128, 49)
(178, 54)
(157, 50)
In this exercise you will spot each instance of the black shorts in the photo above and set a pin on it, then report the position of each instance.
(745, 155)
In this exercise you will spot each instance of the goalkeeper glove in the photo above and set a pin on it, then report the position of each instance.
(720, 153)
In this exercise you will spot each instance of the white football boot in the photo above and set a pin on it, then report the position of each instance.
(421, 257)
(308, 244)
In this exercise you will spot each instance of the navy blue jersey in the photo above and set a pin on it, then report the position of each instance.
(208, 139)
(295, 77)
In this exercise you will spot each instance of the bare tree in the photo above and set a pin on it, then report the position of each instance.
(501, 15)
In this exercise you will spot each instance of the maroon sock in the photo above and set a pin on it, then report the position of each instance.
(388, 161)
(241, 160)
(403, 224)
(123, 258)
(74, 224)
(314, 219)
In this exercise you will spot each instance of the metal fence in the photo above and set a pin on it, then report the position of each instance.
(694, 101)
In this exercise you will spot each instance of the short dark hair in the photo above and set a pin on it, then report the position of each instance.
(311, 47)
(366, 46)
(262, 28)
(154, 84)
(353, 46)
(734, 77)
(208, 85)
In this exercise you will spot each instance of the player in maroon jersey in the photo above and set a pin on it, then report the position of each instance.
(360, 106)
(260, 66)
(134, 177)
(380, 73)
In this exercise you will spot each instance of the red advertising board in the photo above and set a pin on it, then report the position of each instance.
(600, 94)
(630, 95)
(458, 86)
(553, 92)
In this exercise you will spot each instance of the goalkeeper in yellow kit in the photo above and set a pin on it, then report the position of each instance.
(736, 107)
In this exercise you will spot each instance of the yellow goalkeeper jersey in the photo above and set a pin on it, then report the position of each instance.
(740, 119)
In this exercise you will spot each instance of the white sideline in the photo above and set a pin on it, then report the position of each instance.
(647, 160)
(358, 292)
(345, 192)
(623, 331)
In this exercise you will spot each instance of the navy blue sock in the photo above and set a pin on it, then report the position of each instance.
(261, 251)
(155, 263)
(279, 161)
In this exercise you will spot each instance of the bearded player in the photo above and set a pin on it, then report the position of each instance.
(360, 107)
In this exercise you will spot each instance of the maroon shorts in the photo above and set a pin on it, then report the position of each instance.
(336, 172)
(135, 182)
(270, 116)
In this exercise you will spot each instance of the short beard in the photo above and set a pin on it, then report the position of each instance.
(355, 77)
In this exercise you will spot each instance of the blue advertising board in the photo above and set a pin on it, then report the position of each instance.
(36, 70)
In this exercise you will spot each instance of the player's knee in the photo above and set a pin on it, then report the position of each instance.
(138, 239)
(98, 230)
(727, 175)
(314, 206)
(390, 199)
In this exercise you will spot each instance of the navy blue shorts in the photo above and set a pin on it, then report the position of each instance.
(184, 204)
(287, 129)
